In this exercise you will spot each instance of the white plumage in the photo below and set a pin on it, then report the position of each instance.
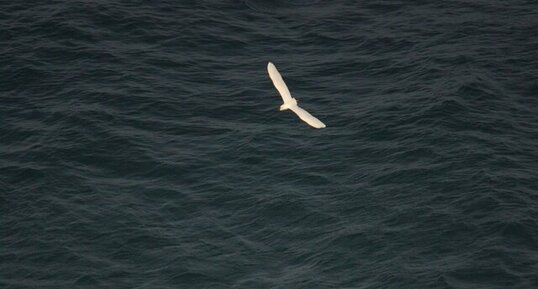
(290, 102)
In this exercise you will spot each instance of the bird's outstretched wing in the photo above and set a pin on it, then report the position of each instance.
(307, 117)
(279, 83)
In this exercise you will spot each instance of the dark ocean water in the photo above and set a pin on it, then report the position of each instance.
(141, 144)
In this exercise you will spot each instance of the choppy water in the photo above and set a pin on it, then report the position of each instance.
(141, 144)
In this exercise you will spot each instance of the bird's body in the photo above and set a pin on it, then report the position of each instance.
(290, 102)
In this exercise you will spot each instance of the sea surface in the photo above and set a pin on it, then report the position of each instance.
(142, 146)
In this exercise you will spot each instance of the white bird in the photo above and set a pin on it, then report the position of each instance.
(290, 102)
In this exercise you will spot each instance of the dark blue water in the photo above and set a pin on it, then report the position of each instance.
(141, 144)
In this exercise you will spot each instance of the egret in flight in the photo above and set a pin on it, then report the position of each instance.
(290, 102)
